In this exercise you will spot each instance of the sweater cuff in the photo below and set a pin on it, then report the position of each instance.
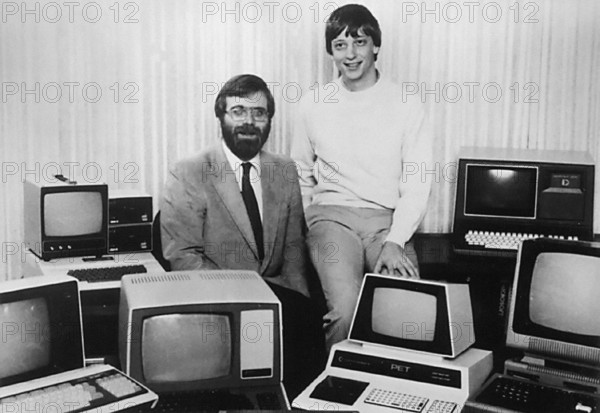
(397, 236)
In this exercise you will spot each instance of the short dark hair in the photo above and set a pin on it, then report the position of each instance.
(241, 86)
(352, 17)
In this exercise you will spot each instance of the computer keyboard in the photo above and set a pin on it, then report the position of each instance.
(506, 393)
(200, 401)
(396, 400)
(408, 402)
(268, 401)
(86, 389)
(100, 274)
(503, 240)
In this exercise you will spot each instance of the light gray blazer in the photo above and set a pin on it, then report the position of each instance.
(204, 223)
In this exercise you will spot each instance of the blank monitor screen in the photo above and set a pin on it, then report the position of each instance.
(404, 314)
(186, 347)
(25, 344)
(501, 191)
(72, 213)
(564, 293)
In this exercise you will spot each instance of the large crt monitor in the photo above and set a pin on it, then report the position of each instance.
(200, 330)
(425, 316)
(526, 193)
(41, 328)
(65, 219)
(556, 301)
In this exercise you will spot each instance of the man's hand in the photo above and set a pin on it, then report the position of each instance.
(393, 261)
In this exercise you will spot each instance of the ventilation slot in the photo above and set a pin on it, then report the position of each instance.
(166, 277)
(213, 275)
(563, 373)
(227, 275)
(579, 354)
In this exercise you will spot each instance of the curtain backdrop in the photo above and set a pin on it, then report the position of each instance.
(117, 91)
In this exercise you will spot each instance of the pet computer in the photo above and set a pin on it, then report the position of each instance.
(408, 349)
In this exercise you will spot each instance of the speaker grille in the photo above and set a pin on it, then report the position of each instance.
(568, 375)
(564, 351)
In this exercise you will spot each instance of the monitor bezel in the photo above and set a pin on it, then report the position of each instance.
(92, 244)
(64, 313)
(101, 189)
(234, 378)
(506, 166)
(521, 330)
(361, 330)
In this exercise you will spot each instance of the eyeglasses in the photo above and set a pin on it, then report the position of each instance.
(240, 113)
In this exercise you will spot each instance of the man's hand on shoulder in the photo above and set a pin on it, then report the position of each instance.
(393, 261)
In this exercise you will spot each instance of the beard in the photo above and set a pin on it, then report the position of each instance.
(246, 140)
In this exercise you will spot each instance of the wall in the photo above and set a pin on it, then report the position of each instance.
(119, 90)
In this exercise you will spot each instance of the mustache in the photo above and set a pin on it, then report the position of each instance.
(247, 130)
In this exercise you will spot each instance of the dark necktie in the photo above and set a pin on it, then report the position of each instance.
(252, 208)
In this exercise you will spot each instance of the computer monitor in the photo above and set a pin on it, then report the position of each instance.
(555, 301)
(501, 191)
(425, 316)
(200, 330)
(538, 192)
(66, 219)
(40, 319)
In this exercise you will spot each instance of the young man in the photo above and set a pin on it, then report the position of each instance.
(237, 206)
(360, 154)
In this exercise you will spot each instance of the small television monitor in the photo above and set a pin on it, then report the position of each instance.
(41, 328)
(555, 301)
(66, 219)
(523, 191)
(425, 316)
(189, 331)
